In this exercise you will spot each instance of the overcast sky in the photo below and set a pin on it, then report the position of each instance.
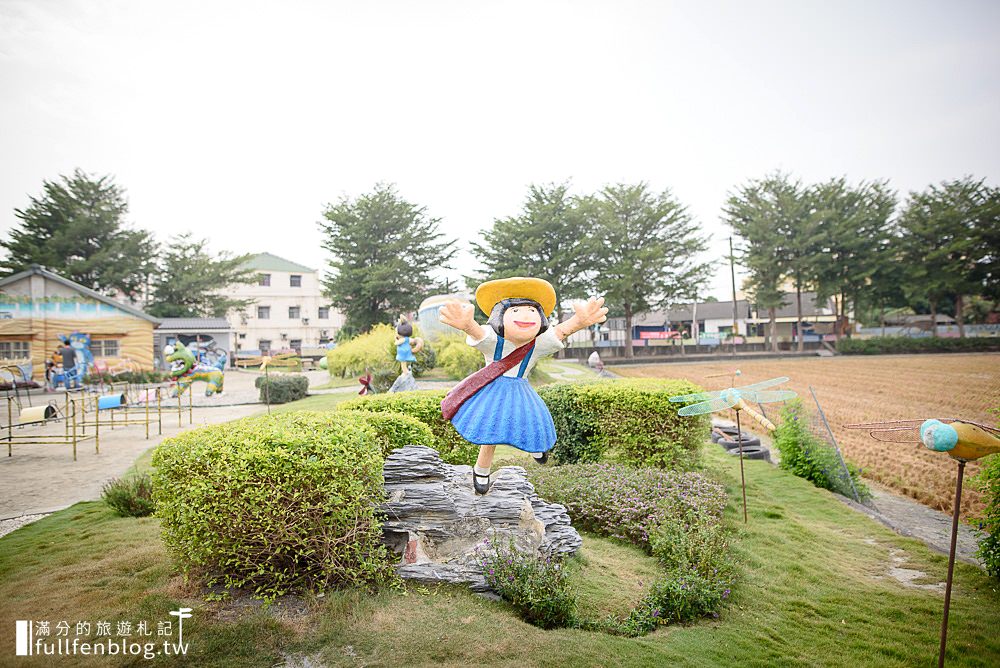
(240, 121)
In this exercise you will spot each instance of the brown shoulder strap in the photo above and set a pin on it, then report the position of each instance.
(477, 381)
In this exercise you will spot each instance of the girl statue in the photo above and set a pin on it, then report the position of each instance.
(496, 405)
(406, 345)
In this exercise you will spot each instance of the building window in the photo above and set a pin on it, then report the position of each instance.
(264, 312)
(265, 280)
(105, 348)
(265, 346)
(243, 335)
(14, 350)
(324, 313)
(294, 312)
(295, 281)
(296, 345)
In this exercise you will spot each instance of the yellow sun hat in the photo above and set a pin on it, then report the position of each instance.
(518, 287)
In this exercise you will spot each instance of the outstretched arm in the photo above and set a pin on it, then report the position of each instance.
(461, 316)
(585, 315)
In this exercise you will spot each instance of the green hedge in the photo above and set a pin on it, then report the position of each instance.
(887, 345)
(813, 458)
(425, 406)
(396, 429)
(456, 358)
(375, 351)
(988, 481)
(281, 389)
(630, 421)
(276, 503)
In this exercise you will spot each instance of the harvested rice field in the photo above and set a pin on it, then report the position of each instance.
(865, 388)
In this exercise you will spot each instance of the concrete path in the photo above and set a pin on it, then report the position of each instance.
(43, 478)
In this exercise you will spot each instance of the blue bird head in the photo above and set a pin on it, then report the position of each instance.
(938, 436)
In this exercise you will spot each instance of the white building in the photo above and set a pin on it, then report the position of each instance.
(288, 313)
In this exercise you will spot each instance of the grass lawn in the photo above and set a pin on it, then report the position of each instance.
(817, 591)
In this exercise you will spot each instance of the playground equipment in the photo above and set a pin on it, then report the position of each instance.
(962, 440)
(737, 398)
(185, 369)
(87, 410)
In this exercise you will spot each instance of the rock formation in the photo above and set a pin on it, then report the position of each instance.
(435, 521)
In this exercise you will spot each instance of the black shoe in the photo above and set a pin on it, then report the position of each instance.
(479, 487)
(541, 460)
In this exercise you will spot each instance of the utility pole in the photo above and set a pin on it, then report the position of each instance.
(732, 275)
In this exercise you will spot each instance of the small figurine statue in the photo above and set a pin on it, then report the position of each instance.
(496, 405)
(406, 345)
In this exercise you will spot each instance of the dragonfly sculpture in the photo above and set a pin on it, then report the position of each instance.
(962, 440)
(737, 398)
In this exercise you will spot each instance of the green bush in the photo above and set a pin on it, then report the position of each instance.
(887, 345)
(375, 351)
(130, 497)
(281, 389)
(425, 406)
(537, 587)
(988, 481)
(630, 421)
(810, 457)
(140, 377)
(396, 429)
(673, 515)
(275, 503)
(456, 358)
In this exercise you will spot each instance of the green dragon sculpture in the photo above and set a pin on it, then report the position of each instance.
(185, 369)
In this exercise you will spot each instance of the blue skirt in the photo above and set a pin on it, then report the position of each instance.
(507, 412)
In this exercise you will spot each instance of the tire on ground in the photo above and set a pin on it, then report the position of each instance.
(753, 452)
(748, 441)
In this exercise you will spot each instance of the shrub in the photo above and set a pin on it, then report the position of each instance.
(275, 503)
(887, 345)
(375, 351)
(626, 502)
(396, 429)
(537, 587)
(811, 457)
(629, 421)
(988, 481)
(130, 497)
(281, 389)
(141, 377)
(456, 358)
(425, 406)
(676, 517)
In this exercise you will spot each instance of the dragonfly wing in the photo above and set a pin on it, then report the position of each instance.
(901, 435)
(717, 404)
(768, 396)
(763, 385)
(697, 396)
(891, 424)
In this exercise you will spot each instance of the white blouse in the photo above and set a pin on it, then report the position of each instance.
(546, 343)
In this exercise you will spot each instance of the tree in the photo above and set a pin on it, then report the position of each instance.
(949, 237)
(760, 213)
(384, 250)
(191, 283)
(77, 229)
(549, 239)
(853, 229)
(648, 243)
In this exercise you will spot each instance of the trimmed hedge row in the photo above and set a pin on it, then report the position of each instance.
(887, 345)
(279, 503)
(281, 389)
(629, 421)
(425, 406)
(375, 351)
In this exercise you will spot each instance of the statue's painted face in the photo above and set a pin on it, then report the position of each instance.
(521, 323)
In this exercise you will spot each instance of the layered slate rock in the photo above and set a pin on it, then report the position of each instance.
(435, 521)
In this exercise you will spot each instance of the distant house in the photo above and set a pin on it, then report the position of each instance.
(288, 313)
(38, 306)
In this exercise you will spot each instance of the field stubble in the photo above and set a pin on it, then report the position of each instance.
(873, 388)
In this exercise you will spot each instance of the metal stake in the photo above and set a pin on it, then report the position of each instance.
(743, 482)
(951, 561)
